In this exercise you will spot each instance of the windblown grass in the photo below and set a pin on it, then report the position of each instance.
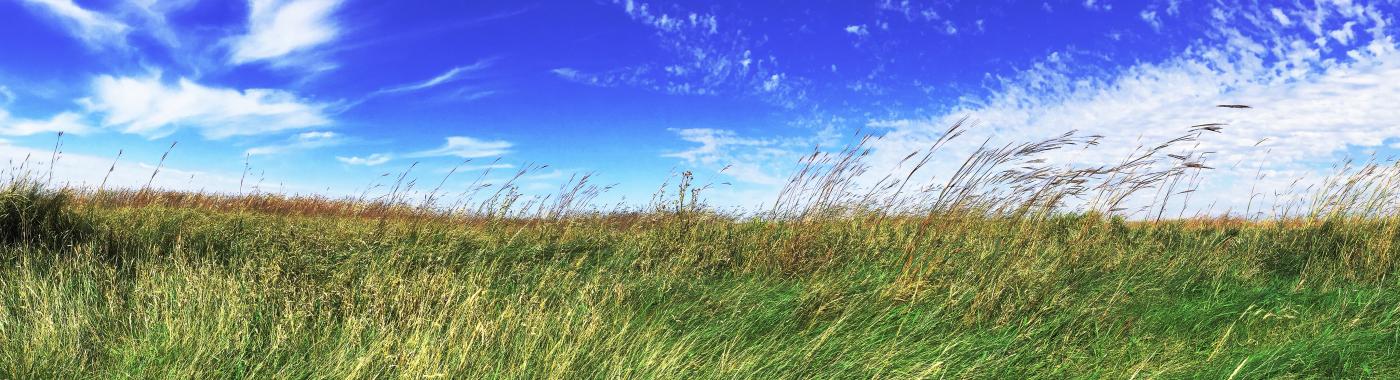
(1011, 268)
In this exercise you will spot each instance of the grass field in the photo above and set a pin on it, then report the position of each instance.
(142, 284)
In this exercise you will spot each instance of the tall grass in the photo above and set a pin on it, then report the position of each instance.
(1010, 267)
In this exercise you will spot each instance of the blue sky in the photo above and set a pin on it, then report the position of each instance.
(324, 96)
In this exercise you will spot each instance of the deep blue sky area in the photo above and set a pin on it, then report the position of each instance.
(327, 95)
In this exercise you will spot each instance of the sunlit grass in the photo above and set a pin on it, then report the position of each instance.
(990, 276)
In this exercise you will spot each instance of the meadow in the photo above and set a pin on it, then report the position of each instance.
(1009, 267)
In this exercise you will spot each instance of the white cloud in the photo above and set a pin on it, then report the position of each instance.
(1097, 5)
(89, 171)
(641, 12)
(94, 28)
(450, 76)
(858, 30)
(147, 107)
(121, 21)
(773, 82)
(278, 28)
(1313, 103)
(150, 17)
(1282, 18)
(710, 140)
(467, 147)
(472, 168)
(566, 73)
(700, 59)
(370, 160)
(66, 122)
(317, 136)
(468, 94)
(495, 165)
(1150, 16)
(299, 142)
(1344, 35)
(1309, 106)
(458, 146)
(744, 159)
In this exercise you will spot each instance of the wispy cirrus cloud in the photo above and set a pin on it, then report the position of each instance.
(703, 58)
(151, 18)
(112, 27)
(644, 13)
(750, 160)
(299, 142)
(452, 75)
(494, 166)
(66, 122)
(1320, 77)
(467, 147)
(281, 28)
(1318, 92)
(711, 142)
(370, 160)
(455, 146)
(94, 28)
(76, 170)
(146, 106)
(464, 93)
(924, 16)
(449, 77)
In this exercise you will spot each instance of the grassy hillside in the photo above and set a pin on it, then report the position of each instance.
(175, 290)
